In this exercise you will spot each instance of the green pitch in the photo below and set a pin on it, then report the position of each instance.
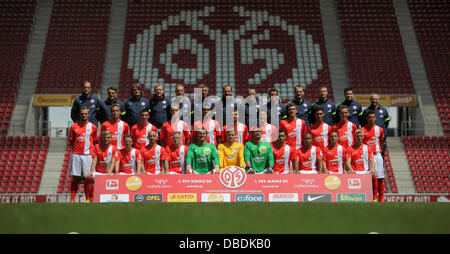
(223, 218)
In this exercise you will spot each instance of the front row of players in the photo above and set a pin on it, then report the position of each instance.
(202, 157)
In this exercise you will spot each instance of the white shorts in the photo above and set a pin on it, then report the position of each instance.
(308, 172)
(379, 165)
(80, 164)
(98, 174)
(122, 173)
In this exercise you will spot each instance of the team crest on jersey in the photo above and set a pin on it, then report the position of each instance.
(263, 149)
(143, 103)
(92, 101)
(207, 150)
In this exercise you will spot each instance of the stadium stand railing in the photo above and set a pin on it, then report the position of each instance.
(429, 162)
(430, 20)
(75, 47)
(373, 47)
(16, 22)
(22, 163)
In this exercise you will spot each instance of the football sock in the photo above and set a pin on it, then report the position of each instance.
(381, 189)
(73, 189)
(375, 188)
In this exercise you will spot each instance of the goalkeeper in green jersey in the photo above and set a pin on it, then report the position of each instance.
(258, 154)
(202, 157)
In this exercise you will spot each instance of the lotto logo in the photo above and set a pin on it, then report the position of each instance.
(233, 177)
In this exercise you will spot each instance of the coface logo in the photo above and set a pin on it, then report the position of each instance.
(112, 184)
(249, 197)
(354, 184)
(148, 197)
(316, 197)
(233, 177)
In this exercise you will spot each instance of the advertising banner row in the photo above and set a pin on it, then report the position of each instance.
(65, 198)
(233, 185)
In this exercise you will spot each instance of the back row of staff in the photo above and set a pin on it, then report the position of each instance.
(159, 105)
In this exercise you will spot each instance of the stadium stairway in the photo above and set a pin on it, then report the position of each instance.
(23, 110)
(335, 49)
(52, 167)
(114, 47)
(400, 165)
(417, 70)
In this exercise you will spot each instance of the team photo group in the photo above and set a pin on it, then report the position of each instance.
(206, 134)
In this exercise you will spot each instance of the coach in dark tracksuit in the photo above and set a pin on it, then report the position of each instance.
(133, 106)
(354, 108)
(86, 99)
(105, 109)
(159, 106)
(303, 106)
(328, 106)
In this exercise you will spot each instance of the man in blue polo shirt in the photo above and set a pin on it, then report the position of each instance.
(134, 105)
(279, 108)
(354, 108)
(303, 106)
(105, 109)
(328, 106)
(159, 106)
(86, 99)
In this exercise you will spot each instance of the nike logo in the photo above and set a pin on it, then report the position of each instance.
(314, 198)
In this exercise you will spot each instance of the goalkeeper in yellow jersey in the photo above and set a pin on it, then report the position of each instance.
(231, 153)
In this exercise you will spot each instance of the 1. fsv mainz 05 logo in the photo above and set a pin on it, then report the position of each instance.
(233, 177)
(216, 53)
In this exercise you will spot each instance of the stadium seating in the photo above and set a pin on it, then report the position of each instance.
(434, 37)
(75, 47)
(429, 162)
(22, 163)
(390, 182)
(16, 22)
(373, 47)
(259, 45)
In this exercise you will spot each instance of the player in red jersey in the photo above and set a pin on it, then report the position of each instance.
(130, 162)
(82, 138)
(213, 130)
(334, 155)
(319, 129)
(104, 161)
(155, 159)
(345, 128)
(284, 155)
(295, 127)
(269, 131)
(176, 154)
(140, 130)
(310, 157)
(175, 124)
(373, 137)
(117, 127)
(241, 130)
(360, 158)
